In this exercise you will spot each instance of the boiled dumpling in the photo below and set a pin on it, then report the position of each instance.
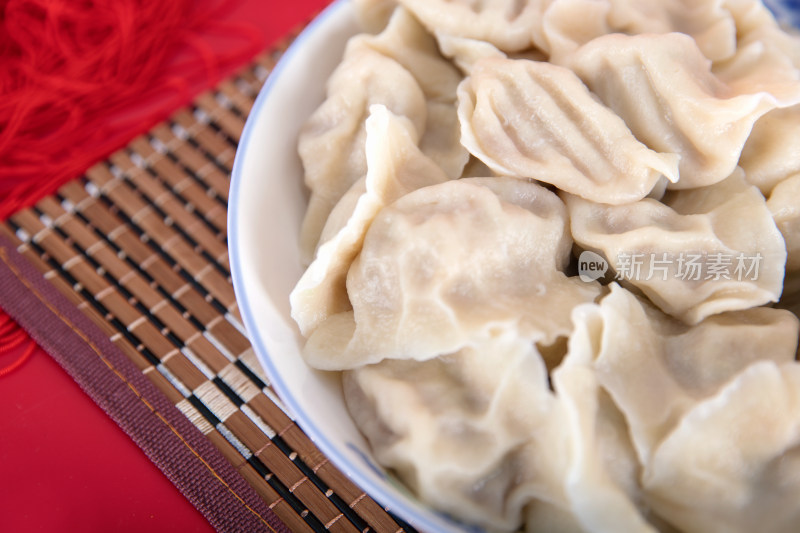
(784, 204)
(537, 120)
(568, 24)
(494, 395)
(510, 25)
(562, 458)
(663, 88)
(766, 57)
(772, 152)
(698, 253)
(501, 390)
(450, 263)
(733, 462)
(657, 369)
(373, 15)
(332, 141)
(708, 22)
(395, 167)
(755, 23)
(688, 393)
(601, 475)
(406, 41)
(400, 68)
(757, 66)
(465, 52)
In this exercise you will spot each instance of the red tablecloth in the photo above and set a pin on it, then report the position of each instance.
(64, 464)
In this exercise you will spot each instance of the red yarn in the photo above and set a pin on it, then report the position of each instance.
(80, 78)
(11, 337)
(73, 71)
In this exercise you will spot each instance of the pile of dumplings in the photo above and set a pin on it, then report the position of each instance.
(466, 153)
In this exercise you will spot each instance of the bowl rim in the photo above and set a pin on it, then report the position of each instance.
(406, 508)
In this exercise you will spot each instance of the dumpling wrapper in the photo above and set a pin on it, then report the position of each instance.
(757, 66)
(784, 204)
(733, 462)
(465, 52)
(772, 152)
(395, 167)
(755, 23)
(451, 263)
(472, 433)
(657, 369)
(698, 253)
(373, 15)
(509, 25)
(569, 24)
(537, 120)
(663, 88)
(601, 476)
(708, 22)
(480, 435)
(400, 68)
(332, 141)
(406, 41)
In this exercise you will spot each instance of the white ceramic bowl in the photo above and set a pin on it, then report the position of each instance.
(266, 205)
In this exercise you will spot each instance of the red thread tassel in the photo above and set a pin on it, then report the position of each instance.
(80, 78)
(72, 71)
(11, 337)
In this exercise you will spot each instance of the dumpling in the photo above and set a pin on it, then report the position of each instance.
(675, 386)
(772, 152)
(663, 88)
(784, 204)
(373, 15)
(708, 22)
(331, 143)
(537, 120)
(395, 167)
(601, 475)
(698, 253)
(641, 351)
(400, 68)
(766, 58)
(493, 394)
(755, 23)
(757, 66)
(569, 24)
(406, 41)
(510, 25)
(450, 263)
(561, 459)
(733, 462)
(465, 52)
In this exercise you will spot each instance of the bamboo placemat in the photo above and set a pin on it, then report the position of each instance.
(139, 245)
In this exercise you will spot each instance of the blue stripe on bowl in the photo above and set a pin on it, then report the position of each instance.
(786, 11)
